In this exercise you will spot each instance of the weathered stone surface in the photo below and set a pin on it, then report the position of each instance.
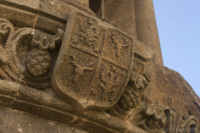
(47, 104)
(85, 75)
(121, 15)
(40, 12)
(146, 27)
(84, 2)
(170, 88)
(15, 121)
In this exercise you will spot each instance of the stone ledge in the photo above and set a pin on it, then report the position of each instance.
(15, 121)
(46, 104)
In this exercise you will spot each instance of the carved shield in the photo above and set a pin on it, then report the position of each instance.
(94, 63)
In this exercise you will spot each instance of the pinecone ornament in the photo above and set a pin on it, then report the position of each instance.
(134, 91)
(38, 62)
(129, 99)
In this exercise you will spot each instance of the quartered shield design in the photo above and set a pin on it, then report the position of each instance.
(94, 63)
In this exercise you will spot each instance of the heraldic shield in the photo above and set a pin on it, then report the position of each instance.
(94, 63)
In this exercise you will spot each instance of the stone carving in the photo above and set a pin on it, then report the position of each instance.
(6, 29)
(39, 59)
(89, 35)
(25, 55)
(79, 70)
(153, 118)
(109, 79)
(38, 62)
(134, 92)
(118, 45)
(99, 84)
(87, 72)
(156, 118)
(176, 123)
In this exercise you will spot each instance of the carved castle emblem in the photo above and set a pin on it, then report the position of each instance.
(94, 63)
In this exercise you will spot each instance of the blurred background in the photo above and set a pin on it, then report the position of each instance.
(178, 23)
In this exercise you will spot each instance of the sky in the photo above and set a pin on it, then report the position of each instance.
(178, 23)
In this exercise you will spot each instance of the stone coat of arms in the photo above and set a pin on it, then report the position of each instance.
(94, 63)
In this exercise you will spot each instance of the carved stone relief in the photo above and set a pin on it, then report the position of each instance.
(134, 92)
(94, 63)
(164, 119)
(25, 54)
(153, 118)
(92, 70)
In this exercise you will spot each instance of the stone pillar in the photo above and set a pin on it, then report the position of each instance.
(146, 27)
(121, 14)
(136, 18)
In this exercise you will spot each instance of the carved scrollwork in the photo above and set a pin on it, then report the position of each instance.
(191, 125)
(25, 54)
(176, 124)
(6, 29)
(162, 119)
